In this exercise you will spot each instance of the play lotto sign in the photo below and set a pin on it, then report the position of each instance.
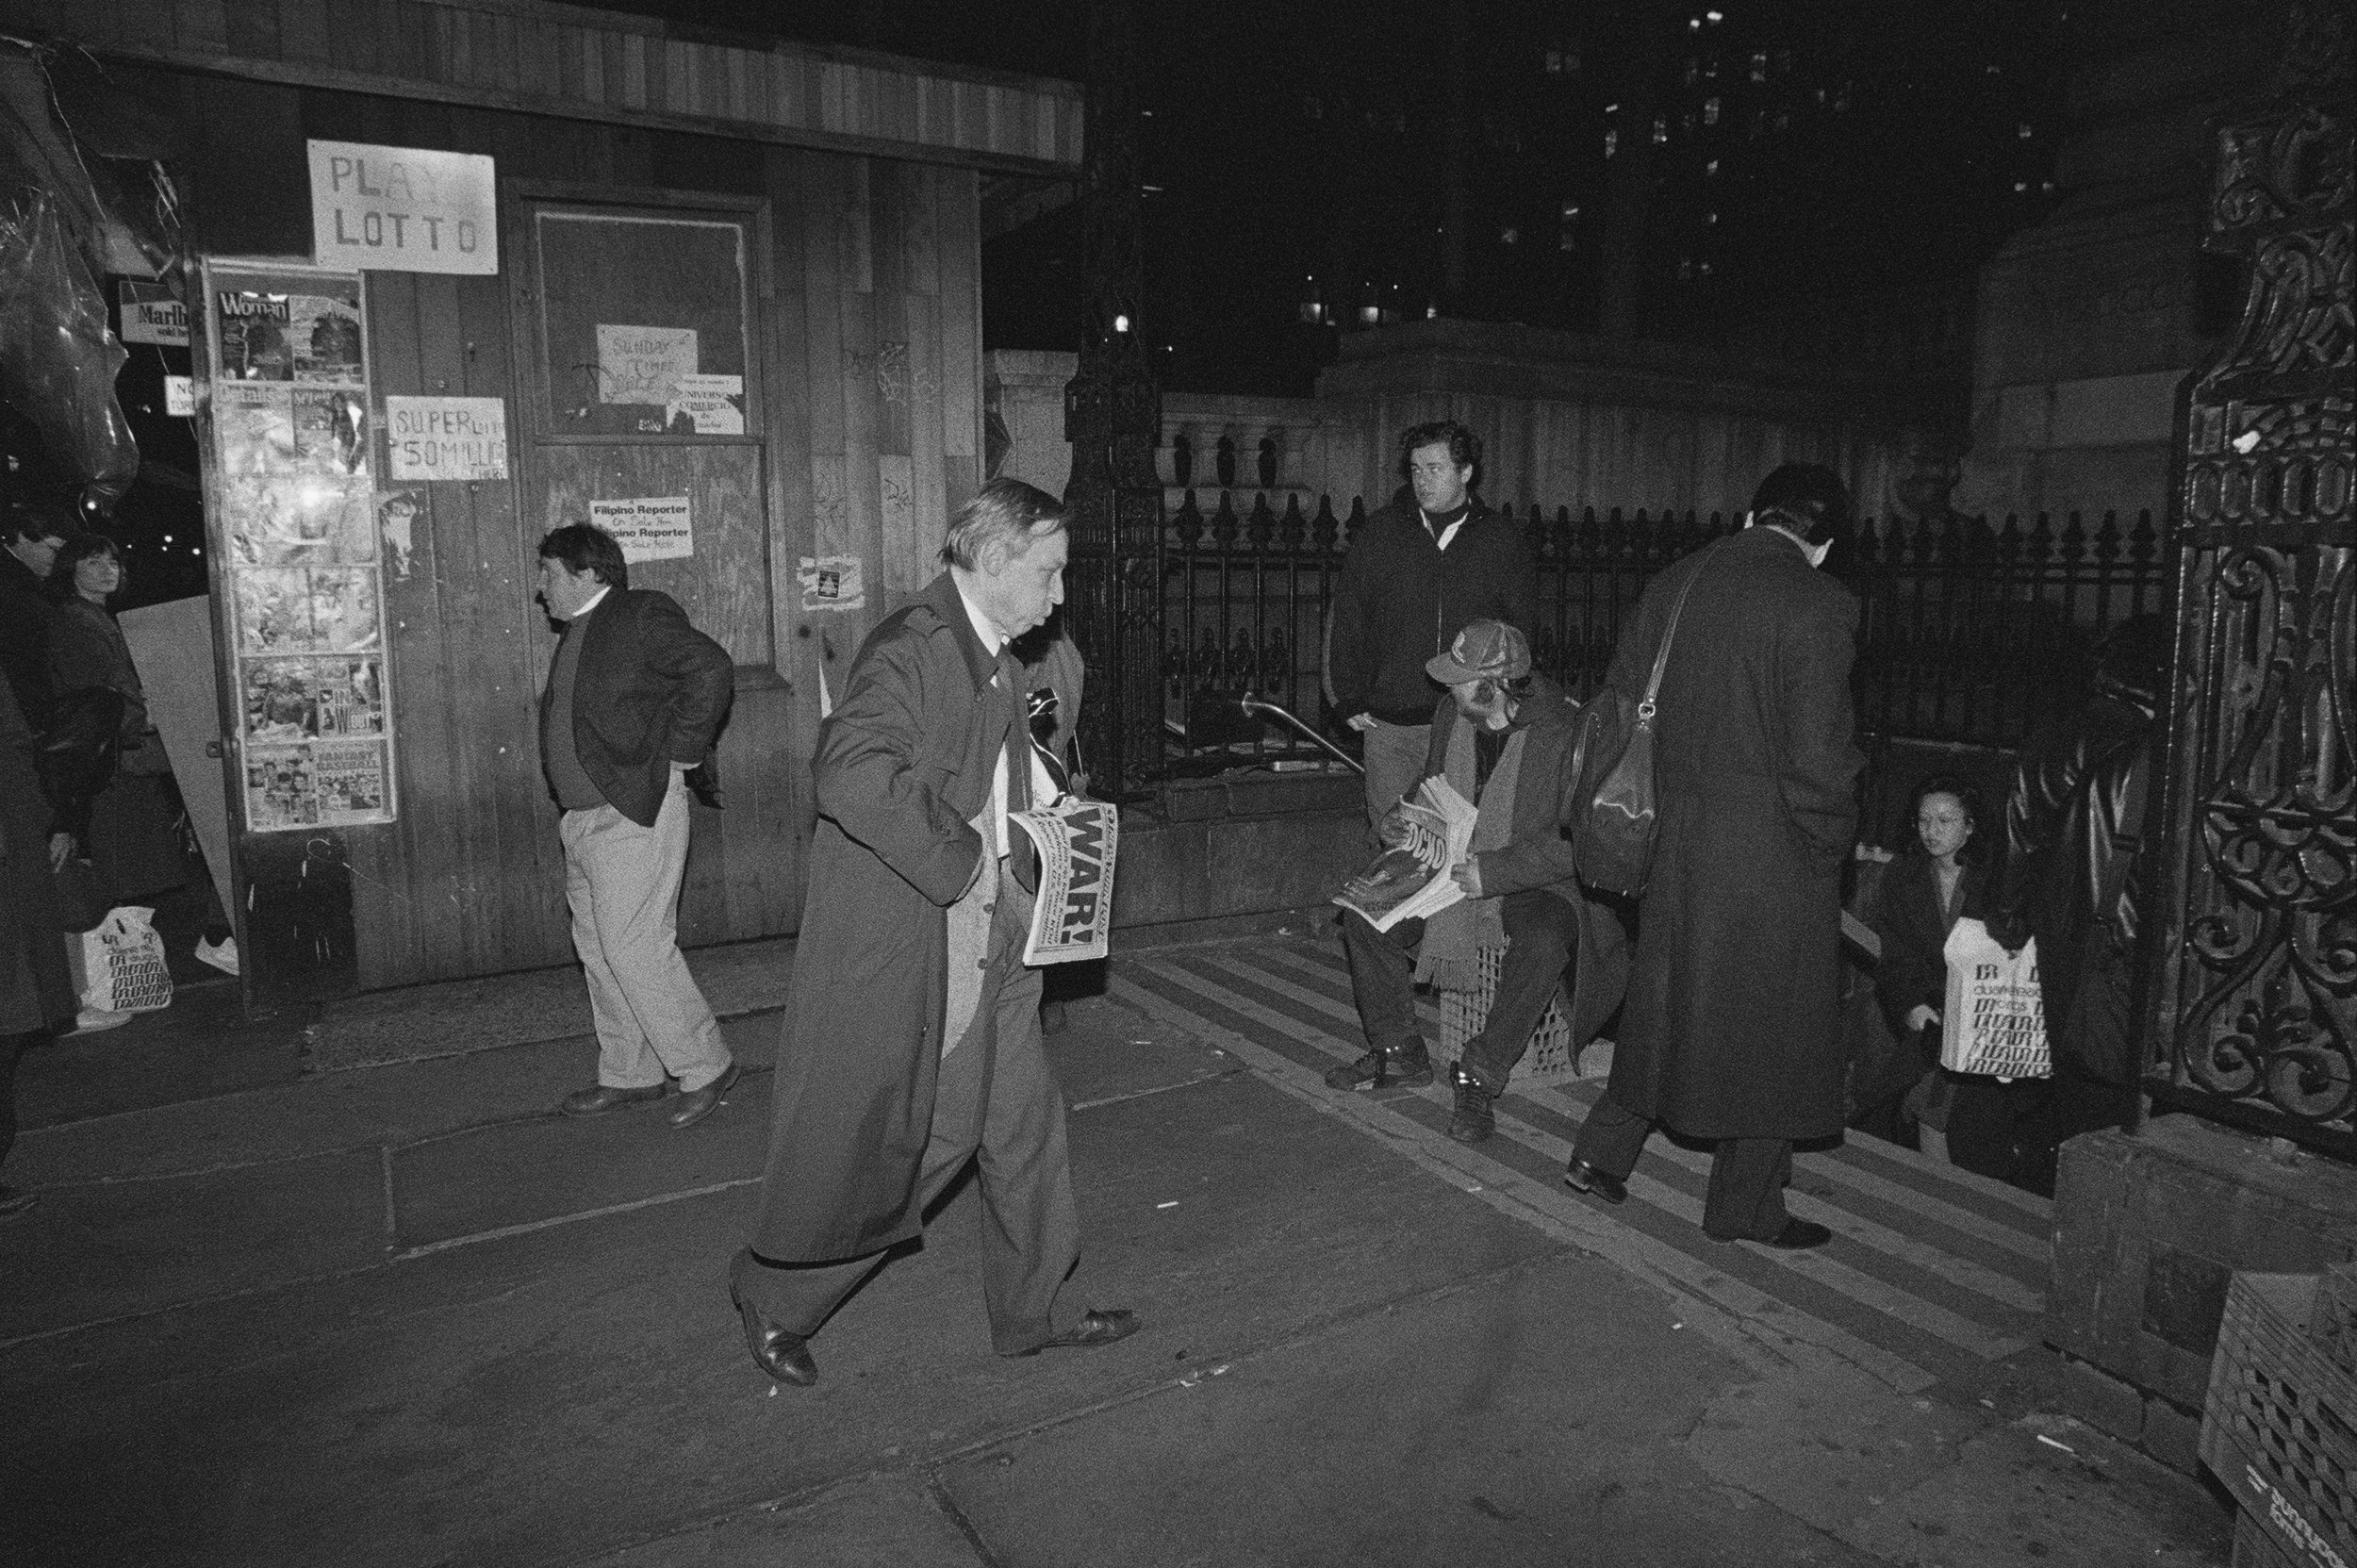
(399, 209)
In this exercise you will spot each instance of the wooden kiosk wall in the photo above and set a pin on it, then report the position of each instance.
(864, 374)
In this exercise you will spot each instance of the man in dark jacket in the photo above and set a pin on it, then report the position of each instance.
(1733, 1029)
(1512, 744)
(28, 543)
(1419, 570)
(635, 701)
(2074, 829)
(912, 1044)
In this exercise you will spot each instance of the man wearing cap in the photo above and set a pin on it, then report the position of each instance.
(1514, 744)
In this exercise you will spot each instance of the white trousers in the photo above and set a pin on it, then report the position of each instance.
(622, 881)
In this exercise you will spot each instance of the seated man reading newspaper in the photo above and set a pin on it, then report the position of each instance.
(1456, 878)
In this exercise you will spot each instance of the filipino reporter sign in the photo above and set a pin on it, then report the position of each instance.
(400, 210)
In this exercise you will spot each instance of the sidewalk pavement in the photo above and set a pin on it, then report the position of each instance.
(402, 1314)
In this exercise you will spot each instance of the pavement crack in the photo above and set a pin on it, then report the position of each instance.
(956, 1515)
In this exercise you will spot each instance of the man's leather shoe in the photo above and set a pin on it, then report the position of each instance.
(784, 1355)
(1094, 1329)
(1581, 1177)
(599, 1098)
(1798, 1235)
(695, 1105)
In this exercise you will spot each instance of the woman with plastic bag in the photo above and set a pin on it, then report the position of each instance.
(37, 1000)
(1922, 894)
(133, 839)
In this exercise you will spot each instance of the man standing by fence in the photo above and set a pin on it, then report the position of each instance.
(1433, 560)
(1732, 1029)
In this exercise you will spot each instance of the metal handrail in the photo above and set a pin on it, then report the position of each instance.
(1254, 707)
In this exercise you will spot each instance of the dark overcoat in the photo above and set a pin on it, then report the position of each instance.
(1732, 1025)
(904, 764)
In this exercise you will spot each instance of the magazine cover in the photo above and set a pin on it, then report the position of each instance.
(331, 431)
(299, 519)
(306, 699)
(323, 338)
(253, 429)
(307, 609)
(1410, 881)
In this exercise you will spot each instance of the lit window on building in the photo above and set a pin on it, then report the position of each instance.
(1612, 142)
(1710, 111)
(1711, 168)
(1508, 235)
(1686, 269)
(2022, 131)
(1660, 130)
(1760, 68)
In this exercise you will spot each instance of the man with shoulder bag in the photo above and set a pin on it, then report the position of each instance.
(1736, 665)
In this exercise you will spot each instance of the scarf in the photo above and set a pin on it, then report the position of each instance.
(1450, 956)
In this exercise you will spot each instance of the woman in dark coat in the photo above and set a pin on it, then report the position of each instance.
(133, 841)
(37, 999)
(1921, 897)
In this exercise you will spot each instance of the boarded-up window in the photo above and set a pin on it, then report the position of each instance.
(643, 327)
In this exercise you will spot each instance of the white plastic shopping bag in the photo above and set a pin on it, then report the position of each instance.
(123, 968)
(1995, 1020)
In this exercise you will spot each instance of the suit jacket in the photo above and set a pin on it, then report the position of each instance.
(650, 691)
(1733, 1023)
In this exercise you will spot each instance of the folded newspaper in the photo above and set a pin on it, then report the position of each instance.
(1074, 913)
(1411, 880)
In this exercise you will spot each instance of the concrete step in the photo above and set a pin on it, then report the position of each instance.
(1934, 1273)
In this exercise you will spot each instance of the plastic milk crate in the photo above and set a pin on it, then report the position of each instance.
(1549, 1058)
(2279, 1425)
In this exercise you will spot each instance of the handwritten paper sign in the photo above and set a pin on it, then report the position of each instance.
(401, 209)
(649, 528)
(643, 364)
(447, 438)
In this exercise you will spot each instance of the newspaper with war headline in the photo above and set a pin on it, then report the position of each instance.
(1073, 917)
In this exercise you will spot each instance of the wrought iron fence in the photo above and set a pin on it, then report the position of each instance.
(1972, 632)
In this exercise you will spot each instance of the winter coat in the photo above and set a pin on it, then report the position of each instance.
(1733, 1024)
(2075, 822)
(36, 989)
(1913, 929)
(1403, 599)
(904, 766)
(1547, 805)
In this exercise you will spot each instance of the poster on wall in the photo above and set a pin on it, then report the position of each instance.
(298, 525)
(649, 528)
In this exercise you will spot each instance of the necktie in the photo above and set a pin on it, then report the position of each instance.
(1015, 749)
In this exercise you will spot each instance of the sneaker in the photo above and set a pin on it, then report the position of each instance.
(1384, 1069)
(94, 1020)
(1474, 1121)
(221, 955)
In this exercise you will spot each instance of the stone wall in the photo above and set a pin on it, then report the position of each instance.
(1567, 420)
(2088, 321)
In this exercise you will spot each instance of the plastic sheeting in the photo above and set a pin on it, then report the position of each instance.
(62, 227)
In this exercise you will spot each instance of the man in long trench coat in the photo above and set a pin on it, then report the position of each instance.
(912, 1041)
(1731, 1030)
